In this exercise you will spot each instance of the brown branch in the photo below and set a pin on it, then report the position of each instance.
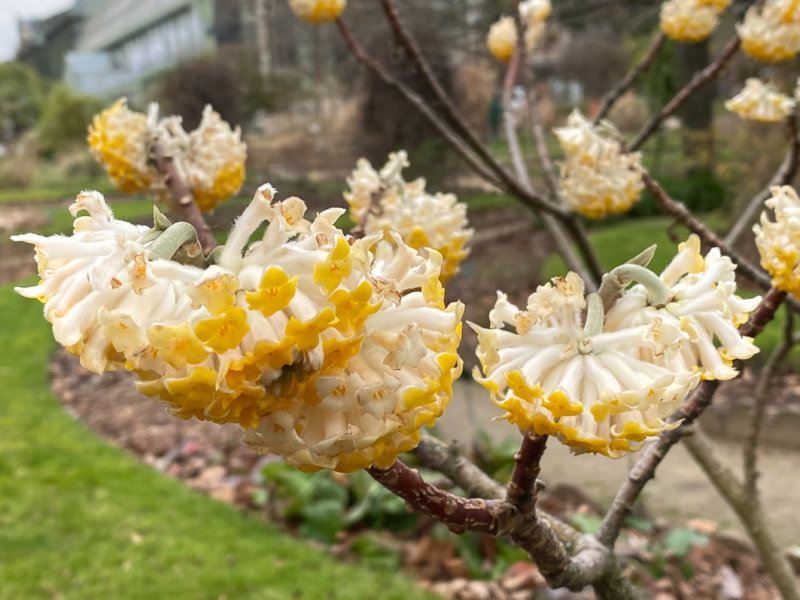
(679, 210)
(750, 451)
(750, 512)
(509, 184)
(183, 197)
(449, 109)
(645, 468)
(522, 489)
(783, 176)
(623, 85)
(700, 78)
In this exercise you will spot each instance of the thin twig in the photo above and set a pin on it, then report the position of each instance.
(750, 451)
(783, 176)
(654, 453)
(699, 79)
(614, 94)
(684, 216)
(749, 511)
(183, 198)
(510, 185)
(449, 109)
(518, 162)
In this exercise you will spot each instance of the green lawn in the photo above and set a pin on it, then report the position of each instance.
(81, 519)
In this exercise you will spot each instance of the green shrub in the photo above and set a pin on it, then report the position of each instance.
(66, 116)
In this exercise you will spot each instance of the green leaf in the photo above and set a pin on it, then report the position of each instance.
(376, 553)
(585, 522)
(322, 520)
(680, 541)
(639, 524)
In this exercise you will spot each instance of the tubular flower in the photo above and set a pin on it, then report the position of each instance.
(384, 201)
(778, 241)
(317, 11)
(593, 387)
(759, 102)
(210, 159)
(772, 32)
(691, 20)
(118, 138)
(330, 354)
(597, 178)
(697, 302)
(214, 162)
(502, 37)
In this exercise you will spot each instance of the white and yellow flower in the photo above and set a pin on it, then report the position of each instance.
(778, 241)
(759, 101)
(329, 353)
(691, 20)
(771, 32)
(700, 306)
(385, 201)
(214, 160)
(502, 37)
(318, 11)
(597, 178)
(591, 386)
(119, 140)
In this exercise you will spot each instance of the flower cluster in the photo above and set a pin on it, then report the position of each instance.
(318, 11)
(758, 101)
(779, 241)
(771, 32)
(384, 201)
(502, 37)
(691, 20)
(330, 353)
(210, 159)
(597, 178)
(603, 381)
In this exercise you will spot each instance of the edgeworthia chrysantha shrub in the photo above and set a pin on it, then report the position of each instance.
(604, 380)
(329, 351)
(384, 201)
(210, 159)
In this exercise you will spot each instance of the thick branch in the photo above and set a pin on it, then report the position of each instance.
(783, 176)
(700, 78)
(522, 488)
(654, 453)
(184, 199)
(624, 84)
(749, 511)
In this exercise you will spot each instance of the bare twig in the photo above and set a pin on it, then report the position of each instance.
(683, 215)
(783, 176)
(698, 401)
(510, 185)
(184, 199)
(750, 451)
(518, 162)
(749, 511)
(624, 84)
(700, 78)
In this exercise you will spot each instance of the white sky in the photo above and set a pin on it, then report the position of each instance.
(11, 9)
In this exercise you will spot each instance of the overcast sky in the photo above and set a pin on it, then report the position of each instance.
(11, 9)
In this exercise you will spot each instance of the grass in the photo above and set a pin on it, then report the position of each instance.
(61, 189)
(81, 519)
